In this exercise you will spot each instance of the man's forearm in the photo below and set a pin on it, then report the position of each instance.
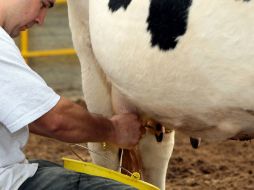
(70, 122)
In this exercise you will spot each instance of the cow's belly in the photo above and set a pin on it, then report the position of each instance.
(210, 71)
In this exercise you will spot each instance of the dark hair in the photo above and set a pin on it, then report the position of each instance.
(51, 4)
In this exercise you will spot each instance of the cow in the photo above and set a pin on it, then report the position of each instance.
(188, 65)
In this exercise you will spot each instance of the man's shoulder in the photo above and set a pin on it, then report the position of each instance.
(9, 51)
(5, 37)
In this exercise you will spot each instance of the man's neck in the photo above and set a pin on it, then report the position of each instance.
(2, 13)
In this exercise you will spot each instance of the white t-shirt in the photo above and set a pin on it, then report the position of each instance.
(24, 97)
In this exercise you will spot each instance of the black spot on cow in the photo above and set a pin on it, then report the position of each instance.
(167, 21)
(114, 5)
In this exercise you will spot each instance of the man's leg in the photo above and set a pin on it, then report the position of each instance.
(51, 176)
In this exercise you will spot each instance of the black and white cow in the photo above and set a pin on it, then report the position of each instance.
(186, 64)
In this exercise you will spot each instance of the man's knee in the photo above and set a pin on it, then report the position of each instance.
(98, 183)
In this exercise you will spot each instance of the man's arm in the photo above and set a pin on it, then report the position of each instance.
(70, 122)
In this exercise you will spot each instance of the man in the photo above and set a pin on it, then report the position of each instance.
(26, 99)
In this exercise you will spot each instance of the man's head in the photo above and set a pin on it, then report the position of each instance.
(18, 15)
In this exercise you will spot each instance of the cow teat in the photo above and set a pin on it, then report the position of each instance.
(195, 142)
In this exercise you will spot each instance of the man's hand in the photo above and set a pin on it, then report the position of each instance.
(127, 130)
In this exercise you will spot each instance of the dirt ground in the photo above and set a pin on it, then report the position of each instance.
(227, 165)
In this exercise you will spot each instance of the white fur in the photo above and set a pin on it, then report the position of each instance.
(201, 88)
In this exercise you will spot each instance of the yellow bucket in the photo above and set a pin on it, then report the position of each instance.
(93, 169)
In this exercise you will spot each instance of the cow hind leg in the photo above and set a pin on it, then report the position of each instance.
(155, 158)
(105, 155)
(150, 157)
